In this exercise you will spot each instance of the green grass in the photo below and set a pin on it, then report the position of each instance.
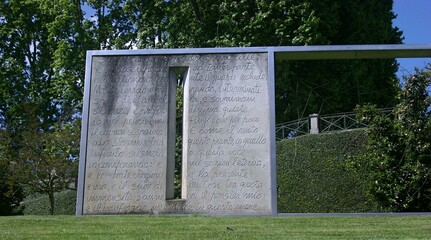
(201, 227)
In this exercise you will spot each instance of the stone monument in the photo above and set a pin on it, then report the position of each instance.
(127, 159)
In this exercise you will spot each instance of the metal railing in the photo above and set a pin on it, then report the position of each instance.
(292, 129)
(316, 123)
(342, 121)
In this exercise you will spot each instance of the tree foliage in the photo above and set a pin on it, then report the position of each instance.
(47, 162)
(302, 87)
(330, 86)
(242, 23)
(399, 151)
(41, 75)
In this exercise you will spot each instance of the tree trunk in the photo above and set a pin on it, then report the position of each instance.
(51, 201)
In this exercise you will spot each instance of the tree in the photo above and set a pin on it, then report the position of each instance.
(42, 49)
(127, 24)
(70, 37)
(399, 151)
(302, 87)
(241, 23)
(47, 162)
(330, 86)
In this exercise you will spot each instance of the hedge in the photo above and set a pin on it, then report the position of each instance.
(65, 204)
(313, 174)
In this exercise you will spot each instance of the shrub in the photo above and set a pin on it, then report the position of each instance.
(399, 148)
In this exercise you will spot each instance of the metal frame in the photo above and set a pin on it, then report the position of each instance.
(274, 54)
(297, 52)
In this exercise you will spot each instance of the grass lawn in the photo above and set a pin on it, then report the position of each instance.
(202, 227)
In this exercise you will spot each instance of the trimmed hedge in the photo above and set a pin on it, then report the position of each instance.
(65, 204)
(313, 174)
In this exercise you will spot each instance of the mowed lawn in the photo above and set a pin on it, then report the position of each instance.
(203, 227)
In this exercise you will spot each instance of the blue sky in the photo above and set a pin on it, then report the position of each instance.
(414, 19)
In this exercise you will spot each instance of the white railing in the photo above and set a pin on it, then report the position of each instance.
(292, 129)
(316, 123)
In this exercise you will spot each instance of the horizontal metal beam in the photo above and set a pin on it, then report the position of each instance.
(298, 52)
(352, 52)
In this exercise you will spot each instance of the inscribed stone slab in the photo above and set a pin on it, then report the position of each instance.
(126, 152)
(227, 135)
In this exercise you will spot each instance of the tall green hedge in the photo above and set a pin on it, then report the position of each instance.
(313, 174)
